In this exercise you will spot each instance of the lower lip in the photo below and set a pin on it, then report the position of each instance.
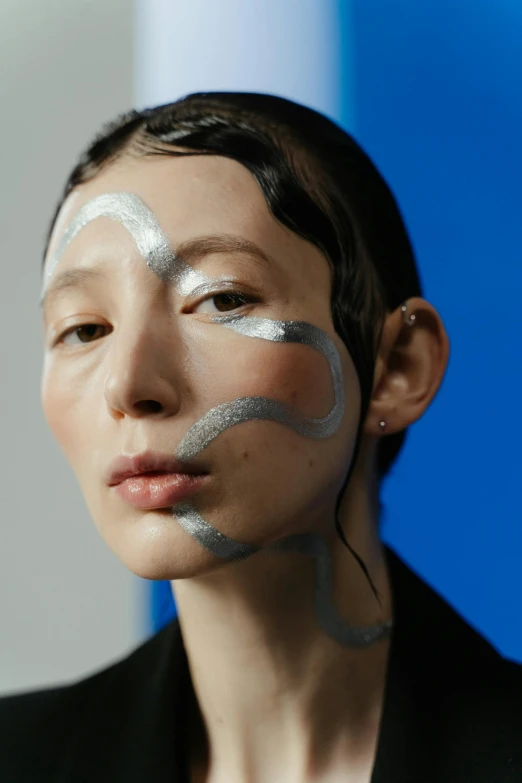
(160, 490)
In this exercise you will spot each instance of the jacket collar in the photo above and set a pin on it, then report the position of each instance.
(134, 727)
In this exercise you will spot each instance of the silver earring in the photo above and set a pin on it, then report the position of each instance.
(410, 320)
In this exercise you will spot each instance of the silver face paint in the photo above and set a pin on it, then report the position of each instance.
(210, 538)
(129, 210)
(226, 415)
(329, 619)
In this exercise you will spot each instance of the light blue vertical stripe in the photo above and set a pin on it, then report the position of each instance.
(298, 49)
(290, 48)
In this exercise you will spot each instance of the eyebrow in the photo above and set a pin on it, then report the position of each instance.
(67, 280)
(190, 252)
(194, 249)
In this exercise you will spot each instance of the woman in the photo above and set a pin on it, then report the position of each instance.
(235, 345)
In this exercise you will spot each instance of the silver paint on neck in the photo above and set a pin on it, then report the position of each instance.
(328, 617)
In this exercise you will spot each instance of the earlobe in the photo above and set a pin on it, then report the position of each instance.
(411, 363)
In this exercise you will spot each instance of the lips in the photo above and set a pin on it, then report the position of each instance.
(124, 467)
(158, 491)
(151, 480)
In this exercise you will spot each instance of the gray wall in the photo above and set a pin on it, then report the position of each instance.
(67, 605)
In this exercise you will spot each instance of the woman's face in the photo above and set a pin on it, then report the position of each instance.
(137, 360)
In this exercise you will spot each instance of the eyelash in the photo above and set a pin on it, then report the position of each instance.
(245, 299)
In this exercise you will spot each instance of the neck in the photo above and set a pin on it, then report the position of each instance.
(275, 692)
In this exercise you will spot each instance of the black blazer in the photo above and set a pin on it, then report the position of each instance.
(452, 709)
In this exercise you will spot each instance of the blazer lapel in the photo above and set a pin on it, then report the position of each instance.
(133, 727)
(450, 713)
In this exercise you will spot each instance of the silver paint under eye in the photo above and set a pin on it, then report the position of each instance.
(228, 414)
(141, 223)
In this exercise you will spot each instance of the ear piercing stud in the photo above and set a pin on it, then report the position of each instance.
(409, 320)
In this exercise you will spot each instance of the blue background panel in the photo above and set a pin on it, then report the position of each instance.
(438, 108)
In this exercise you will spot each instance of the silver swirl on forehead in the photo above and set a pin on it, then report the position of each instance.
(129, 210)
(228, 414)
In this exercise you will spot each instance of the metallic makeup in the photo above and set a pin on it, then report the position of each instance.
(129, 210)
(226, 415)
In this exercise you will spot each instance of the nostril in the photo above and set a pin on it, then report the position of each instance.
(149, 406)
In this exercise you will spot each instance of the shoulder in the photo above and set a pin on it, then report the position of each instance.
(40, 729)
(490, 688)
(482, 713)
(31, 723)
(457, 694)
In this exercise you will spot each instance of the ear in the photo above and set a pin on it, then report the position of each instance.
(410, 366)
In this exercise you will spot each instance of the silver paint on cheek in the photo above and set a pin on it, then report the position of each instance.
(129, 210)
(228, 414)
(211, 539)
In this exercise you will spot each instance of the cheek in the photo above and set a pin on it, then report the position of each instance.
(272, 482)
(65, 406)
(298, 375)
(246, 367)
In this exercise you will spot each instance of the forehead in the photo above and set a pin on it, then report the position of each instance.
(190, 196)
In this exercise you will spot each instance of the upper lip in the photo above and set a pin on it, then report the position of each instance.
(125, 466)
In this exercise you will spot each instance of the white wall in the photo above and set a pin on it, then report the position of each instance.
(67, 606)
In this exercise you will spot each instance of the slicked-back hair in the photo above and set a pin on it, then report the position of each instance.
(317, 181)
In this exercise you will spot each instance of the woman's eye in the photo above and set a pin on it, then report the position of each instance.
(223, 302)
(217, 303)
(85, 333)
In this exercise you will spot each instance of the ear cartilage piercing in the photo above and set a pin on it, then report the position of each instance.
(382, 425)
(410, 320)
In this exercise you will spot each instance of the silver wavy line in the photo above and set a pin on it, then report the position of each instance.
(228, 414)
(329, 619)
(141, 223)
(211, 539)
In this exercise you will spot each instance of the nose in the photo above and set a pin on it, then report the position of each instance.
(143, 374)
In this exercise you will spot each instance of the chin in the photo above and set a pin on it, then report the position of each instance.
(156, 547)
